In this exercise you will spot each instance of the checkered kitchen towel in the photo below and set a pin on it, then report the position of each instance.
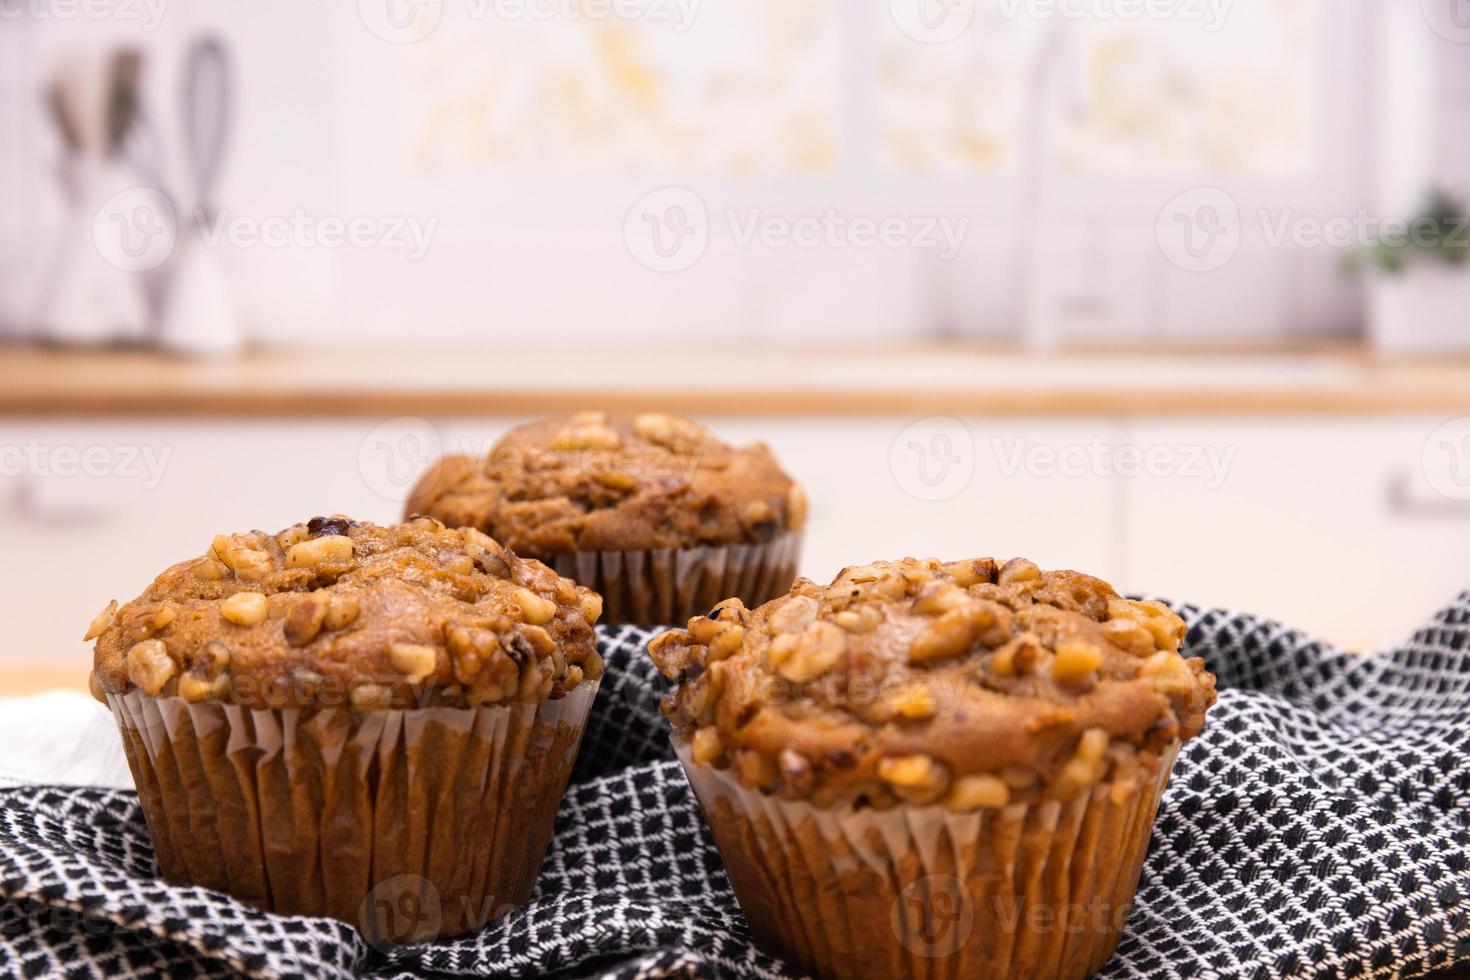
(1319, 827)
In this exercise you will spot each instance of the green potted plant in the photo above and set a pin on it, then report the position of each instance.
(1418, 280)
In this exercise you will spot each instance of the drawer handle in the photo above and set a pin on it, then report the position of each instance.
(1401, 502)
(25, 506)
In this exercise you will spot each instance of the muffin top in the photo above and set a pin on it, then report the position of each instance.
(965, 683)
(334, 612)
(599, 482)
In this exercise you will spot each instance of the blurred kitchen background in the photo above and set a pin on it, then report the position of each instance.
(1173, 291)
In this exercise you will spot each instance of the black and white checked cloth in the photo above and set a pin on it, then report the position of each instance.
(1320, 827)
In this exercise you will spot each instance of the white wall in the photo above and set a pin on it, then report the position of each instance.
(328, 123)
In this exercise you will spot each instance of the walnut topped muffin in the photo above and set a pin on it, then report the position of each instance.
(652, 511)
(926, 761)
(352, 721)
(331, 611)
(594, 481)
(965, 683)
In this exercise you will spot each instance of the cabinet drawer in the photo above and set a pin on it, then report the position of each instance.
(1327, 525)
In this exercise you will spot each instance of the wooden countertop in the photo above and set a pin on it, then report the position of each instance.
(750, 381)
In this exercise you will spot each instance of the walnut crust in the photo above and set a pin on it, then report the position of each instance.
(332, 612)
(965, 683)
(599, 482)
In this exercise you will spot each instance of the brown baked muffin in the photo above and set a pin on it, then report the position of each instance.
(653, 512)
(370, 723)
(934, 769)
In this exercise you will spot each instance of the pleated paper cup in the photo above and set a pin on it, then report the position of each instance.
(409, 824)
(1036, 891)
(669, 586)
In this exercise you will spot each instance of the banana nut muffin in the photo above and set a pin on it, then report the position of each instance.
(1041, 704)
(325, 720)
(654, 512)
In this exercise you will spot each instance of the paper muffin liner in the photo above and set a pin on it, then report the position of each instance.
(669, 586)
(1027, 890)
(409, 824)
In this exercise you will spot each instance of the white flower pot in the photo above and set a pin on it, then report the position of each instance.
(1423, 310)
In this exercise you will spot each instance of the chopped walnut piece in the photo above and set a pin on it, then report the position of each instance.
(245, 608)
(149, 666)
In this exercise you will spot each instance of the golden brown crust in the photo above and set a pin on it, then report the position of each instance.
(965, 683)
(334, 612)
(599, 482)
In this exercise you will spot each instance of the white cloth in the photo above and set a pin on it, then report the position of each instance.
(61, 738)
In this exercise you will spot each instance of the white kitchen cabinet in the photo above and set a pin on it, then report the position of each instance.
(1327, 524)
(862, 511)
(74, 541)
